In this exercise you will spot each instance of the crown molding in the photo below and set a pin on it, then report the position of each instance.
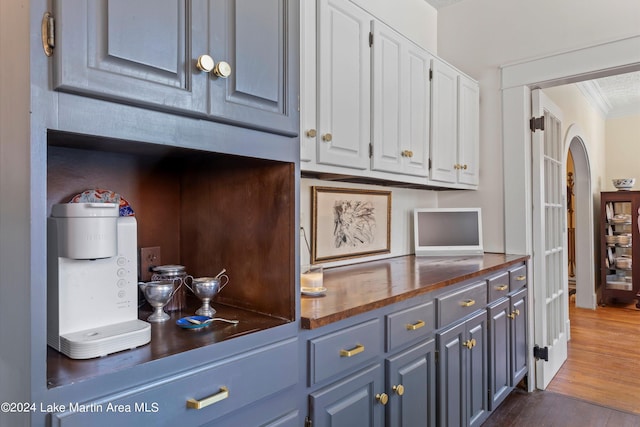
(591, 91)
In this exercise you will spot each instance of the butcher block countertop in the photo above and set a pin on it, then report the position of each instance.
(358, 288)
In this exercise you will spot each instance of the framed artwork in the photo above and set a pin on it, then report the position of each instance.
(349, 223)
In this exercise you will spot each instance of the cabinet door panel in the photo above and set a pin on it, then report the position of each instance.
(137, 52)
(499, 352)
(414, 369)
(444, 127)
(343, 84)
(468, 131)
(253, 37)
(388, 69)
(478, 405)
(350, 402)
(418, 118)
(519, 336)
(451, 377)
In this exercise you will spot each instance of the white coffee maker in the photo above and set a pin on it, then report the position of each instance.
(92, 300)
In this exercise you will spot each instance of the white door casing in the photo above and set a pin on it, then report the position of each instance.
(549, 238)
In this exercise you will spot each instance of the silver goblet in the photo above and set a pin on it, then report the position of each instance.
(206, 288)
(158, 294)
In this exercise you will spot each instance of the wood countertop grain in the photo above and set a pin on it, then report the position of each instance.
(358, 288)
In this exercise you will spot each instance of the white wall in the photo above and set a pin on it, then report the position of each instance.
(415, 19)
(403, 201)
(479, 36)
(576, 109)
(623, 150)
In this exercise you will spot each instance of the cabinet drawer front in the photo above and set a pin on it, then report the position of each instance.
(410, 324)
(517, 278)
(461, 303)
(220, 388)
(498, 286)
(342, 350)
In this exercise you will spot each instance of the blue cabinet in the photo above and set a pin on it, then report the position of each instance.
(222, 60)
(462, 372)
(411, 383)
(356, 400)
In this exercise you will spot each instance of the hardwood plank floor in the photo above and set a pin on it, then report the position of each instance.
(598, 385)
(603, 359)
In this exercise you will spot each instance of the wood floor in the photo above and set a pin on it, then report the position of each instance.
(598, 385)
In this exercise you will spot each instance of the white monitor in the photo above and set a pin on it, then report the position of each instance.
(447, 231)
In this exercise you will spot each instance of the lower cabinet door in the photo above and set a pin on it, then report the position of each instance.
(411, 384)
(518, 336)
(462, 372)
(477, 374)
(499, 352)
(452, 396)
(357, 400)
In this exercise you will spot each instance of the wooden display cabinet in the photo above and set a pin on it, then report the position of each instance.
(620, 246)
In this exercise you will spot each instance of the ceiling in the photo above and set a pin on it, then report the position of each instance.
(614, 96)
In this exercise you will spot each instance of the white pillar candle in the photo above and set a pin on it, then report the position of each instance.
(311, 280)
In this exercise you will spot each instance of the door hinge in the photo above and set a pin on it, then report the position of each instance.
(430, 74)
(370, 150)
(429, 163)
(541, 353)
(436, 356)
(308, 422)
(48, 33)
(370, 39)
(536, 123)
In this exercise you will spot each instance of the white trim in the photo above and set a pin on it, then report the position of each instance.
(609, 58)
(586, 264)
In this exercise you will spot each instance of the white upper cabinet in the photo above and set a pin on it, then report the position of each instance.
(374, 105)
(343, 79)
(468, 131)
(444, 126)
(401, 101)
(454, 126)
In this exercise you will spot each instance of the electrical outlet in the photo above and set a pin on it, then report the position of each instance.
(149, 258)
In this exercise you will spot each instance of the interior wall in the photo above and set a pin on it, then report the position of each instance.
(577, 110)
(623, 150)
(403, 201)
(480, 36)
(415, 19)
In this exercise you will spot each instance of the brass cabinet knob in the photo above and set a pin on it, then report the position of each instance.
(222, 69)
(311, 133)
(464, 167)
(398, 389)
(327, 137)
(382, 398)
(205, 63)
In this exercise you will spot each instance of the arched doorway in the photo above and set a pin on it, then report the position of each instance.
(583, 207)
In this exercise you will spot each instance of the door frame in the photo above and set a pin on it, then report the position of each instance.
(517, 81)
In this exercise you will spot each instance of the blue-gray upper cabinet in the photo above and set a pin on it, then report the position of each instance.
(233, 61)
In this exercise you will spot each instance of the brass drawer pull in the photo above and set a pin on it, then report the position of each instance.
(355, 350)
(521, 278)
(412, 327)
(468, 303)
(502, 287)
(199, 404)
